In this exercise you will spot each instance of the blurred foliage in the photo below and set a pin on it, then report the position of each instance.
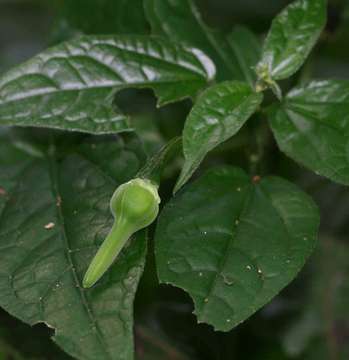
(321, 331)
(308, 320)
(103, 16)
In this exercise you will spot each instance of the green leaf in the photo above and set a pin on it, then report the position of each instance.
(180, 20)
(72, 85)
(233, 244)
(247, 50)
(105, 16)
(312, 127)
(54, 213)
(293, 34)
(218, 114)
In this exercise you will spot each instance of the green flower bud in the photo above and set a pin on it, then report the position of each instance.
(134, 205)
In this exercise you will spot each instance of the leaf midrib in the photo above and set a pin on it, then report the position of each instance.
(110, 87)
(53, 173)
(228, 246)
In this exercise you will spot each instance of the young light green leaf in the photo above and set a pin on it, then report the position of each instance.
(233, 244)
(72, 85)
(293, 34)
(180, 20)
(54, 213)
(218, 114)
(312, 127)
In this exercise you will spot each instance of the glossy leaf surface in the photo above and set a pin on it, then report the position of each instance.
(233, 244)
(293, 34)
(54, 213)
(312, 127)
(72, 85)
(218, 114)
(181, 20)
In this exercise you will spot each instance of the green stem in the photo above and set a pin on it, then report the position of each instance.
(107, 253)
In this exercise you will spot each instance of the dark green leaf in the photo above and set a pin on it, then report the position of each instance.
(234, 244)
(247, 51)
(72, 85)
(312, 127)
(180, 20)
(218, 114)
(54, 213)
(105, 16)
(293, 34)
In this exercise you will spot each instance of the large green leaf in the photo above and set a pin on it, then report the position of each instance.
(72, 85)
(218, 114)
(293, 34)
(233, 244)
(312, 127)
(54, 213)
(180, 20)
(105, 16)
